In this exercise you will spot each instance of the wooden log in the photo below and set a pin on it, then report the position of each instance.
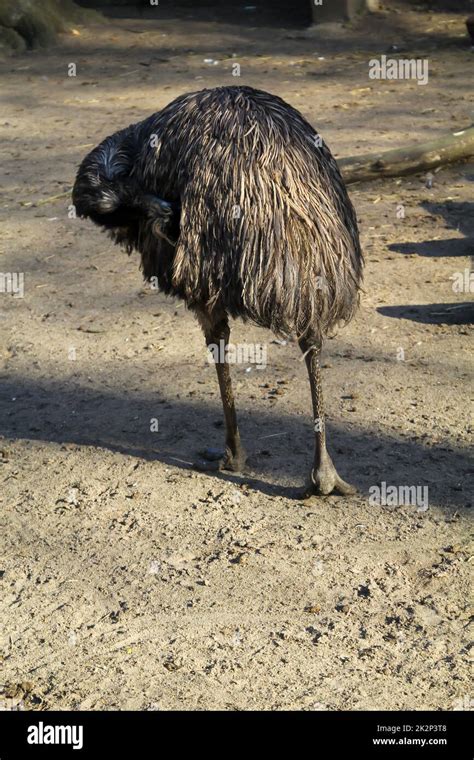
(411, 159)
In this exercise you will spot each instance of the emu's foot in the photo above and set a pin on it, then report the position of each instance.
(216, 459)
(325, 480)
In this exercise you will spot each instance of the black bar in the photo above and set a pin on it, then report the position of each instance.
(163, 734)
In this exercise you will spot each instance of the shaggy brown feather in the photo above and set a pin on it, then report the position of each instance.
(266, 230)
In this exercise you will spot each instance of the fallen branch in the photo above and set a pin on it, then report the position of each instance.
(409, 160)
(42, 201)
(52, 198)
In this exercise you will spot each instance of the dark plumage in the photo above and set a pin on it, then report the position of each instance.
(236, 206)
(470, 28)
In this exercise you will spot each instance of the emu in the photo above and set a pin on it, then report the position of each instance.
(236, 206)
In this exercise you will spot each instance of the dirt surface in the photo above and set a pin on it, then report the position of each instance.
(129, 580)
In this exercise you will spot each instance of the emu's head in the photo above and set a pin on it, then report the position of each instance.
(108, 192)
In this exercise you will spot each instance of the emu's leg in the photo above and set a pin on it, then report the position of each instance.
(217, 332)
(324, 478)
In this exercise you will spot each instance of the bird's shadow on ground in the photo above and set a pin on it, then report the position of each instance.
(458, 215)
(432, 313)
(450, 248)
(279, 445)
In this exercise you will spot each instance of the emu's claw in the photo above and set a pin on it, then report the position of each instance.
(325, 480)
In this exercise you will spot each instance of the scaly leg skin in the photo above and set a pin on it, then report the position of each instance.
(324, 478)
(216, 329)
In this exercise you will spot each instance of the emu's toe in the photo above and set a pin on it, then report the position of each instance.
(216, 459)
(325, 480)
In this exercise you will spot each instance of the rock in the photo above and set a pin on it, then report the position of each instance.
(10, 40)
(35, 23)
(313, 609)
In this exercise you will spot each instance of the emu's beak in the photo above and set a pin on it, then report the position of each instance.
(160, 208)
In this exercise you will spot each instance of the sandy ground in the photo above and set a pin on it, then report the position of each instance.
(128, 579)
